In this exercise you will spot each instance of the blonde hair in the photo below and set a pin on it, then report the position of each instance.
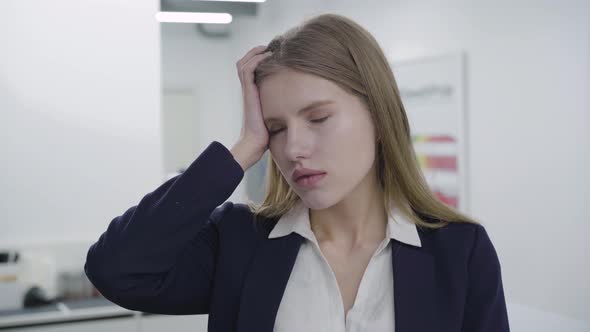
(338, 49)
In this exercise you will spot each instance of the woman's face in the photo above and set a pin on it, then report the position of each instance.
(336, 136)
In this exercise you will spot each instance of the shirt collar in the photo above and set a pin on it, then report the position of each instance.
(399, 227)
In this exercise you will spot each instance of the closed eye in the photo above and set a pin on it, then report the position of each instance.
(271, 133)
(320, 120)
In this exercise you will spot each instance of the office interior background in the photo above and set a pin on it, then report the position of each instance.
(102, 101)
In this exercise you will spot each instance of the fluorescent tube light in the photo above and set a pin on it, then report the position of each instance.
(234, 0)
(189, 17)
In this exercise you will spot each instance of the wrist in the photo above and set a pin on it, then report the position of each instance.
(244, 154)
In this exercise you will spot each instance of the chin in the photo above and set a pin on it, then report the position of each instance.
(317, 201)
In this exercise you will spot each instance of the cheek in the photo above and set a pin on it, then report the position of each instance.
(350, 146)
(349, 133)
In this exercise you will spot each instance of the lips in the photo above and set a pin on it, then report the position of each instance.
(302, 172)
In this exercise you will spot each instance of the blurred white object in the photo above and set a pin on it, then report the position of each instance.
(37, 269)
(11, 290)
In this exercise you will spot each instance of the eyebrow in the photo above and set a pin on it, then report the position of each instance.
(307, 108)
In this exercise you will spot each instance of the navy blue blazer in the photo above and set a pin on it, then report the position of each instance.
(185, 249)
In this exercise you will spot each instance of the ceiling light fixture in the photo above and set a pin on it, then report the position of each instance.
(187, 17)
(235, 0)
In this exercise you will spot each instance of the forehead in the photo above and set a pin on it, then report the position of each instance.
(288, 92)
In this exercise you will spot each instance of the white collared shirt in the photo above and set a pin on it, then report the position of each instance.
(312, 299)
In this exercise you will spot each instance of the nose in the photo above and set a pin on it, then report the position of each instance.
(298, 144)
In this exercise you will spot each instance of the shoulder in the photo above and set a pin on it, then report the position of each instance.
(458, 233)
(468, 243)
(475, 265)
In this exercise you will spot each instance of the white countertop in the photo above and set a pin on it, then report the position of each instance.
(64, 311)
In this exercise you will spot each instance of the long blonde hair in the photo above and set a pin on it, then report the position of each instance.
(338, 49)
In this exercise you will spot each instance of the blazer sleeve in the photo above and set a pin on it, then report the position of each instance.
(485, 308)
(160, 255)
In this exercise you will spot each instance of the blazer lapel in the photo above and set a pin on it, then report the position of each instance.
(266, 281)
(273, 261)
(414, 289)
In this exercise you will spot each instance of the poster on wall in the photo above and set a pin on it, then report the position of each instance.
(433, 93)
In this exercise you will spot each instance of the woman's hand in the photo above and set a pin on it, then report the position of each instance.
(253, 140)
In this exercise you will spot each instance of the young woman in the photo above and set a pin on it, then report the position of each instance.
(348, 238)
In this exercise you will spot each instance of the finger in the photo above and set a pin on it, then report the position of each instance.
(248, 68)
(249, 55)
(253, 52)
(244, 62)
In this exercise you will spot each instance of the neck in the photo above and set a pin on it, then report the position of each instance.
(357, 220)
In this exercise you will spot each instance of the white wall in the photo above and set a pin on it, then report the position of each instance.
(528, 78)
(81, 132)
(80, 116)
(198, 73)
